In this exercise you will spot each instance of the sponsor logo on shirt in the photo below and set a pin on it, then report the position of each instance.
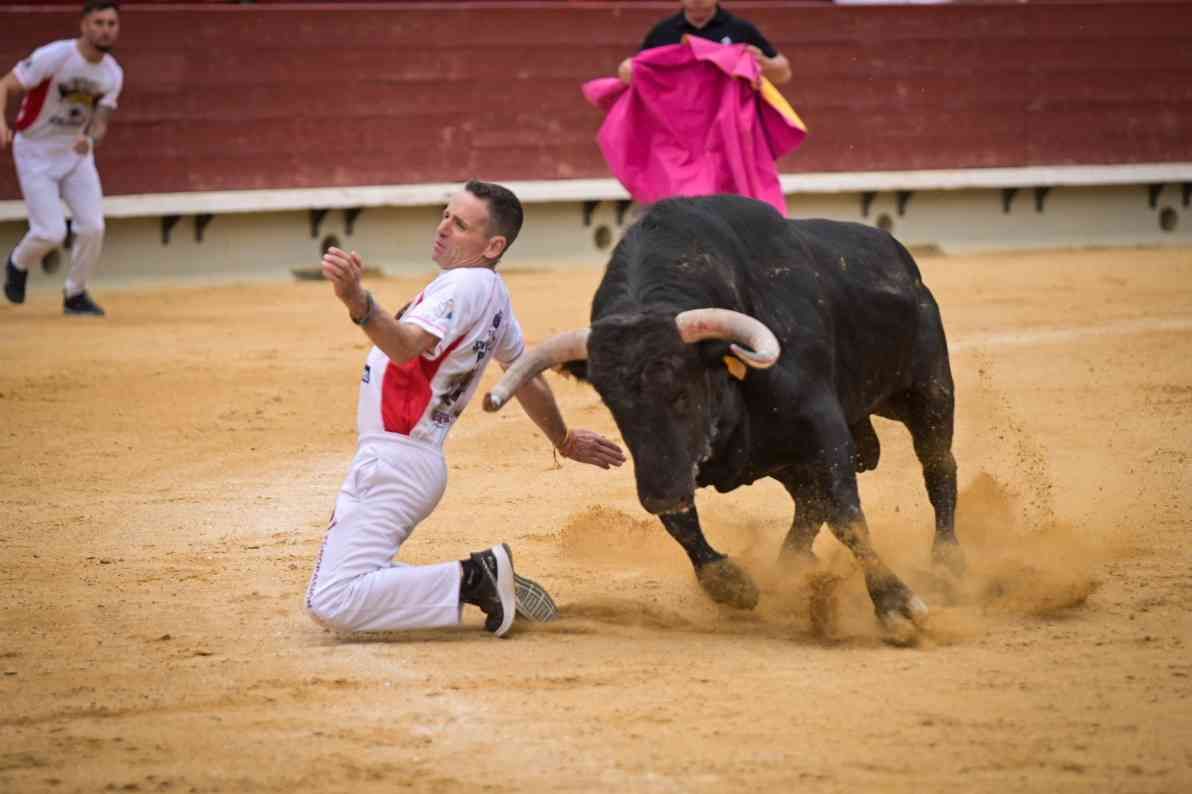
(367, 374)
(78, 98)
(481, 347)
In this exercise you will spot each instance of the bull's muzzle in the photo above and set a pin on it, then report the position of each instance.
(658, 506)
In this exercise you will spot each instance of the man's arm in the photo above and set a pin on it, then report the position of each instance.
(98, 127)
(585, 446)
(400, 341)
(95, 130)
(9, 83)
(777, 69)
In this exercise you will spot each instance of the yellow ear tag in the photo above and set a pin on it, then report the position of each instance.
(735, 367)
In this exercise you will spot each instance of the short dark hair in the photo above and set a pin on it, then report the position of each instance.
(505, 214)
(91, 6)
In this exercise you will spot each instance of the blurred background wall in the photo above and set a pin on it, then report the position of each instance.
(291, 100)
(221, 96)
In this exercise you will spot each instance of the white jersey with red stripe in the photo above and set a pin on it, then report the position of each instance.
(469, 310)
(63, 90)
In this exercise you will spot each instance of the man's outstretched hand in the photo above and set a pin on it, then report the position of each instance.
(586, 446)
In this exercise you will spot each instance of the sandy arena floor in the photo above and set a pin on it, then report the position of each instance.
(167, 473)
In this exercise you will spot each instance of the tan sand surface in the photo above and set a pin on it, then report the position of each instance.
(166, 475)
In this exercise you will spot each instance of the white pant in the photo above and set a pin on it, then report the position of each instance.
(356, 585)
(50, 173)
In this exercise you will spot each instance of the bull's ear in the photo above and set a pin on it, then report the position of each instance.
(736, 367)
(574, 369)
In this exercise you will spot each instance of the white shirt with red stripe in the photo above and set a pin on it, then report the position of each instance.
(469, 310)
(63, 90)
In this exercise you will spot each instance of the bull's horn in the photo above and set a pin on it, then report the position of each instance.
(759, 347)
(559, 349)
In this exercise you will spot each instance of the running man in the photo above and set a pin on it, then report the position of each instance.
(71, 88)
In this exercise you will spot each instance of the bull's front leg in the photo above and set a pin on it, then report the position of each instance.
(722, 579)
(811, 511)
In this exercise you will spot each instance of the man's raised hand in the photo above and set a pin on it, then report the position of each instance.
(344, 271)
(589, 447)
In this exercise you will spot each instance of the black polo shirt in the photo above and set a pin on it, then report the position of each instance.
(723, 27)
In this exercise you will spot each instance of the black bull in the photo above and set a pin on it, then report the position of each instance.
(859, 334)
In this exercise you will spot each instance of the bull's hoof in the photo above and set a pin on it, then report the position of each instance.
(900, 631)
(901, 613)
(727, 583)
(948, 555)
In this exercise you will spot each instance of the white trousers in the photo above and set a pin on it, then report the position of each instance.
(357, 586)
(50, 173)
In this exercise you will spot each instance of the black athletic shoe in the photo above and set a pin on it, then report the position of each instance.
(533, 602)
(81, 304)
(14, 282)
(493, 592)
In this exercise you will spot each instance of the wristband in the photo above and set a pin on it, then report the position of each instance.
(368, 310)
(566, 440)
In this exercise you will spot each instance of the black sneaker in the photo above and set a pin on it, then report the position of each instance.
(81, 304)
(14, 282)
(493, 593)
(533, 602)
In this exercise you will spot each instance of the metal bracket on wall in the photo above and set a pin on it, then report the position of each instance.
(901, 199)
(589, 207)
(316, 220)
(1040, 195)
(1008, 195)
(866, 201)
(350, 216)
(1152, 195)
(168, 222)
(201, 223)
(623, 207)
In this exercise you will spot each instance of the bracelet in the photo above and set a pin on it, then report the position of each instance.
(566, 440)
(368, 310)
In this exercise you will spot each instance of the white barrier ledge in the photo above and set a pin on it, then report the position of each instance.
(988, 178)
(570, 190)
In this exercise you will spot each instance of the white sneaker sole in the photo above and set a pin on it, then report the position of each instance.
(505, 587)
(533, 602)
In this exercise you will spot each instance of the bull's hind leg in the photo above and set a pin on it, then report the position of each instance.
(722, 579)
(929, 419)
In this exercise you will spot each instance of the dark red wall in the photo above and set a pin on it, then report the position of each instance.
(235, 96)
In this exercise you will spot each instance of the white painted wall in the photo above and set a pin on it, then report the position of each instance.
(268, 244)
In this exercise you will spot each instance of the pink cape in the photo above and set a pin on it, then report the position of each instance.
(698, 119)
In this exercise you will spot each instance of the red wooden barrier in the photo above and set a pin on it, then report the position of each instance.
(268, 96)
